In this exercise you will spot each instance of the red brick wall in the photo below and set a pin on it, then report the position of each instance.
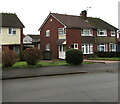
(5, 48)
(108, 33)
(52, 40)
(95, 45)
(73, 36)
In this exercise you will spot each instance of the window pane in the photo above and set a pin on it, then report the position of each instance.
(47, 32)
(86, 46)
(10, 30)
(72, 45)
(64, 48)
(48, 47)
(102, 32)
(112, 47)
(60, 48)
(76, 46)
(83, 49)
(112, 33)
(61, 31)
(14, 31)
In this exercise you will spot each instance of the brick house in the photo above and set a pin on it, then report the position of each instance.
(31, 40)
(118, 41)
(60, 32)
(11, 32)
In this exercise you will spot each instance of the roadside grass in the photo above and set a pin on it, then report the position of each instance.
(23, 64)
(104, 58)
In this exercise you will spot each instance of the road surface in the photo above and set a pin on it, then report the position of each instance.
(96, 87)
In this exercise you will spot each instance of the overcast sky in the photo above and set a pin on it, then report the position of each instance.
(33, 12)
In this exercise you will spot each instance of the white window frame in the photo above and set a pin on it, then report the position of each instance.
(101, 30)
(47, 47)
(62, 48)
(90, 32)
(100, 47)
(47, 33)
(87, 48)
(112, 33)
(38, 45)
(112, 50)
(75, 45)
(12, 31)
(61, 31)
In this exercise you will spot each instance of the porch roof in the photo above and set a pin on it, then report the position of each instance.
(61, 41)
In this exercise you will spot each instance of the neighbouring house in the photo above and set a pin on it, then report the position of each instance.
(31, 40)
(118, 41)
(60, 32)
(11, 32)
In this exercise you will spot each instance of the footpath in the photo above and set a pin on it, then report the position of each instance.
(99, 66)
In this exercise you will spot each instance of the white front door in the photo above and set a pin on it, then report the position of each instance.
(62, 51)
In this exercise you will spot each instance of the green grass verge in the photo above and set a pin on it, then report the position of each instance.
(111, 58)
(23, 64)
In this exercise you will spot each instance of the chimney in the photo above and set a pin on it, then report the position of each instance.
(84, 14)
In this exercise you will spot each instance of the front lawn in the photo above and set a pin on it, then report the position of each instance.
(23, 64)
(111, 58)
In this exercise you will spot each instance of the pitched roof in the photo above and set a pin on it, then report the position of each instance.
(72, 21)
(11, 20)
(35, 38)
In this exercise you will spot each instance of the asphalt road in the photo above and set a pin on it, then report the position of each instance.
(96, 87)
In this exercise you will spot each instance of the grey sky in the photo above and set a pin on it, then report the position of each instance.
(33, 12)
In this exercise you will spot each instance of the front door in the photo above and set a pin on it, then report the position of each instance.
(62, 51)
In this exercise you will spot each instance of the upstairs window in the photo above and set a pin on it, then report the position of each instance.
(12, 31)
(87, 32)
(101, 32)
(112, 33)
(47, 33)
(61, 31)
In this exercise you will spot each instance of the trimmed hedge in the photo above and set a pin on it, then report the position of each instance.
(32, 55)
(74, 56)
(108, 54)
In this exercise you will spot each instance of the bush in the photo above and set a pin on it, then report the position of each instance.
(9, 58)
(74, 56)
(32, 55)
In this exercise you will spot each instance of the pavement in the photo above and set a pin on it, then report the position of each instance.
(102, 66)
(101, 61)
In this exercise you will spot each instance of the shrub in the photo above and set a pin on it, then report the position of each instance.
(108, 54)
(74, 56)
(9, 58)
(32, 55)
